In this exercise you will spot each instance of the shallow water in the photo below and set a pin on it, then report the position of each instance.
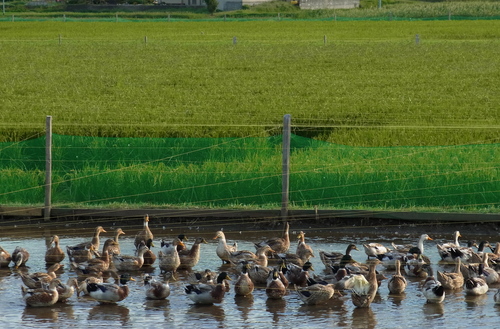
(408, 310)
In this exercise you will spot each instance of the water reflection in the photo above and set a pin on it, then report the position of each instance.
(474, 301)
(244, 304)
(110, 312)
(433, 310)
(276, 307)
(155, 304)
(40, 314)
(206, 314)
(340, 309)
(396, 300)
(363, 318)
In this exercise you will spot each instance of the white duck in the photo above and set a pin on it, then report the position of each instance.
(408, 248)
(374, 249)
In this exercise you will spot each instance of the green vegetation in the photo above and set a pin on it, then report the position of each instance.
(246, 172)
(353, 83)
(363, 86)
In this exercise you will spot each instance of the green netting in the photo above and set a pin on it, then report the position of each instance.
(227, 172)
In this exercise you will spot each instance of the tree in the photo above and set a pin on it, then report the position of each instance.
(212, 5)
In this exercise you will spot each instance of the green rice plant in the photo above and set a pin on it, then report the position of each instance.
(342, 176)
(370, 84)
(23, 187)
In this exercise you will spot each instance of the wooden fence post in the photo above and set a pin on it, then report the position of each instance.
(48, 168)
(285, 167)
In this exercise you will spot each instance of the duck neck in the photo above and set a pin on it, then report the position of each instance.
(421, 244)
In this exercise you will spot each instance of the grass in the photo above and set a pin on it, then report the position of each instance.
(358, 84)
(369, 85)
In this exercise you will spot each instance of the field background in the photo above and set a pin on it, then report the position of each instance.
(354, 84)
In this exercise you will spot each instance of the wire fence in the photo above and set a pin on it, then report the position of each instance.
(280, 17)
(247, 172)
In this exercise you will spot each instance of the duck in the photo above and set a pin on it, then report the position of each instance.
(374, 249)
(466, 254)
(47, 295)
(282, 276)
(347, 258)
(84, 251)
(450, 250)
(5, 258)
(110, 293)
(488, 274)
(331, 259)
(149, 255)
(454, 244)
(66, 290)
(348, 261)
(433, 290)
(207, 276)
(397, 283)
(416, 266)
(244, 285)
(145, 234)
(409, 248)
(223, 249)
(182, 246)
(208, 293)
(452, 280)
(275, 289)
(259, 274)
(494, 255)
(259, 257)
(298, 275)
(388, 260)
(475, 286)
(304, 251)
(168, 257)
(278, 244)
(20, 256)
(189, 258)
(113, 245)
(156, 289)
(35, 280)
(54, 253)
(363, 290)
(82, 255)
(129, 262)
(316, 292)
(109, 276)
(94, 265)
(289, 258)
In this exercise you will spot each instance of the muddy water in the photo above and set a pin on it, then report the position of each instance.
(408, 310)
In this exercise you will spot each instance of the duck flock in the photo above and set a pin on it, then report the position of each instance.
(104, 274)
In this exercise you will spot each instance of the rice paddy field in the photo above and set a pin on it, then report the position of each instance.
(385, 84)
